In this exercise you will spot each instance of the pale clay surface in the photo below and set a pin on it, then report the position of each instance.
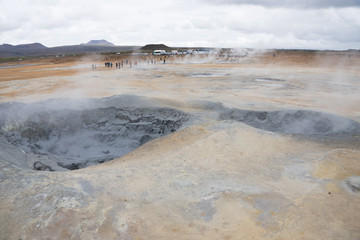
(214, 178)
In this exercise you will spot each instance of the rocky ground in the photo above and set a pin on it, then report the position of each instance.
(243, 146)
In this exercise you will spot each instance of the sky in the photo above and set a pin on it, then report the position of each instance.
(293, 24)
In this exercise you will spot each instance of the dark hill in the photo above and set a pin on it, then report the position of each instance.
(152, 47)
(7, 50)
(9, 47)
(30, 46)
(37, 49)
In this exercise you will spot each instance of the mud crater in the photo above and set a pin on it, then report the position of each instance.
(75, 139)
(301, 122)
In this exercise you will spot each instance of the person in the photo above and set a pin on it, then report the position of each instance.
(164, 61)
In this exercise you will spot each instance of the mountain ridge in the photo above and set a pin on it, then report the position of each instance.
(38, 49)
(101, 42)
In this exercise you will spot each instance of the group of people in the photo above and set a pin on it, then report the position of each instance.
(120, 64)
(127, 62)
(108, 64)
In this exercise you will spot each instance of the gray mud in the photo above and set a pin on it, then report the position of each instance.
(301, 122)
(72, 138)
(353, 184)
(64, 134)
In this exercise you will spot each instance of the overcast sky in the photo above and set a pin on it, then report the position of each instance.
(309, 24)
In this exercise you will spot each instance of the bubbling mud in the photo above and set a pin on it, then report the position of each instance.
(73, 138)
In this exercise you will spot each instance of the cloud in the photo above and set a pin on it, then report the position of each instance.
(226, 23)
(293, 3)
(324, 23)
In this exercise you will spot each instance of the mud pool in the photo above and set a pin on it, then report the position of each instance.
(71, 138)
(58, 135)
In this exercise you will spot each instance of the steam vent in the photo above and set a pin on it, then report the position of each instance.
(219, 144)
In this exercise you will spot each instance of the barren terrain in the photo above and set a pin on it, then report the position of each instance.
(261, 145)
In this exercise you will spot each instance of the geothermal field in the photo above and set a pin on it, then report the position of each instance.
(238, 144)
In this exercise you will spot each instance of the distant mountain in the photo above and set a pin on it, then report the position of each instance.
(37, 49)
(98, 43)
(9, 47)
(152, 47)
(29, 46)
(8, 50)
